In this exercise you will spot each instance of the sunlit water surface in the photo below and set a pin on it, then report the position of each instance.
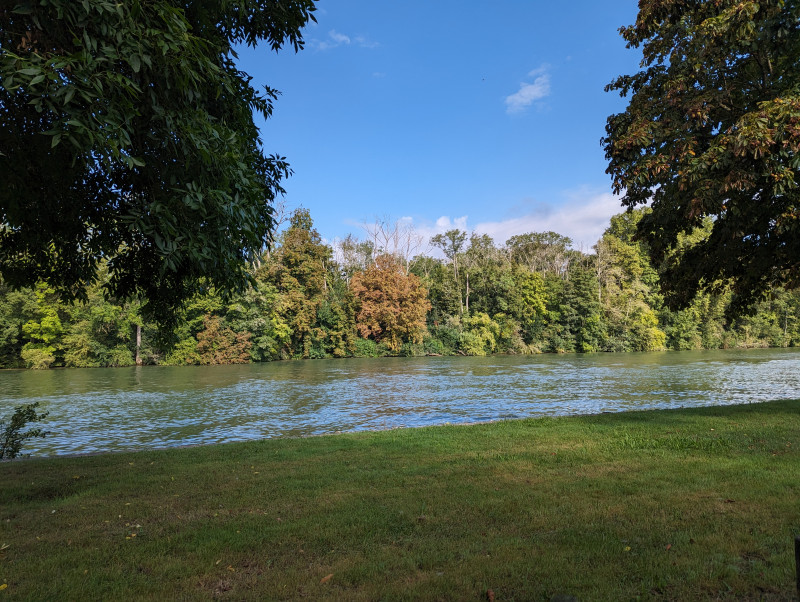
(108, 409)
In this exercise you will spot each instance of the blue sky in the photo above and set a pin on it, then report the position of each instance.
(481, 115)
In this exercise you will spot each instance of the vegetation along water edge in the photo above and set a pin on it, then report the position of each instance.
(381, 296)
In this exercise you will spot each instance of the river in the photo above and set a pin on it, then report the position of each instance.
(110, 409)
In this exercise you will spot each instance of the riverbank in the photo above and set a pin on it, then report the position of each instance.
(674, 504)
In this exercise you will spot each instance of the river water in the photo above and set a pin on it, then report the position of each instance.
(108, 409)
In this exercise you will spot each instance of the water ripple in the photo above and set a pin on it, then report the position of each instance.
(137, 408)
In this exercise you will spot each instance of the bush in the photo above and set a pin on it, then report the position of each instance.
(118, 356)
(411, 350)
(12, 438)
(368, 348)
(436, 347)
(38, 358)
(185, 352)
(447, 336)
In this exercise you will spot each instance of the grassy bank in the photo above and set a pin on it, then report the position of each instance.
(683, 504)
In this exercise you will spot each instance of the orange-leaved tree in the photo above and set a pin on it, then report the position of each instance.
(391, 306)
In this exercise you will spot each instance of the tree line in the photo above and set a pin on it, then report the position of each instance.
(377, 296)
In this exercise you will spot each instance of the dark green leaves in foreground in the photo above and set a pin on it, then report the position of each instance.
(127, 135)
(711, 131)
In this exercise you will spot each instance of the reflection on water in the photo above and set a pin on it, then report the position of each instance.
(133, 408)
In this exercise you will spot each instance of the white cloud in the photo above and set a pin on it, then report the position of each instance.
(336, 39)
(582, 214)
(529, 93)
(582, 217)
(366, 42)
(333, 40)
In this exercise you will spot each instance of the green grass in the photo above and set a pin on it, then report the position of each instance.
(681, 505)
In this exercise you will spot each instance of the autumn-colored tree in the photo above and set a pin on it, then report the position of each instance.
(218, 344)
(391, 305)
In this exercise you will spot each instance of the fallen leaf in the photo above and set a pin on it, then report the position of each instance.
(627, 548)
(2, 587)
(326, 578)
(669, 545)
(490, 595)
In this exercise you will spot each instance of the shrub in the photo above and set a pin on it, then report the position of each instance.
(411, 350)
(12, 437)
(366, 348)
(38, 357)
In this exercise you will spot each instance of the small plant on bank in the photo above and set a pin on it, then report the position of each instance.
(12, 437)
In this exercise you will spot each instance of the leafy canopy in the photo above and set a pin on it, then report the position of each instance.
(128, 136)
(712, 130)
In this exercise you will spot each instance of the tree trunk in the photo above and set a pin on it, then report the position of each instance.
(138, 344)
(467, 292)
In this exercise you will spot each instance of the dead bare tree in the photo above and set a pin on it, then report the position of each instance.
(398, 238)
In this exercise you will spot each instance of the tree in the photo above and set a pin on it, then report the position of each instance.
(128, 135)
(398, 238)
(391, 304)
(299, 270)
(545, 252)
(712, 128)
(44, 332)
(353, 255)
(218, 344)
(451, 243)
(626, 282)
(580, 311)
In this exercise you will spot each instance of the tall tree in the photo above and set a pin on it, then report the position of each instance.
(392, 305)
(129, 135)
(545, 252)
(299, 269)
(712, 128)
(451, 243)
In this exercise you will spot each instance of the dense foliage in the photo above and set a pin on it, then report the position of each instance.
(128, 143)
(311, 300)
(712, 129)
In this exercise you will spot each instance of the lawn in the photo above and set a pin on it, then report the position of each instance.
(677, 504)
